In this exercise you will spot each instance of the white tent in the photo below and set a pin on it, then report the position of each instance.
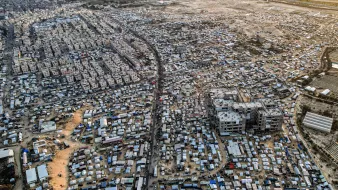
(42, 172)
(31, 176)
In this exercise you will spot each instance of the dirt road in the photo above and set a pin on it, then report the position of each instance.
(61, 159)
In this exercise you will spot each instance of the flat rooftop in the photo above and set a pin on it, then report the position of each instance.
(247, 105)
(229, 116)
(222, 103)
(272, 112)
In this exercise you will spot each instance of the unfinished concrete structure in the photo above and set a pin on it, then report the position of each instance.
(228, 115)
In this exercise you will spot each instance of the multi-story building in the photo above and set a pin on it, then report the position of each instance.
(230, 121)
(269, 119)
(228, 115)
(248, 110)
(219, 105)
(220, 99)
(268, 103)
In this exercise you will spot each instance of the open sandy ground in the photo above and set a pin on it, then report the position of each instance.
(61, 159)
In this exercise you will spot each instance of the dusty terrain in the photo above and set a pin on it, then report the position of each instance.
(330, 79)
(326, 82)
(277, 23)
(61, 159)
(59, 166)
(329, 4)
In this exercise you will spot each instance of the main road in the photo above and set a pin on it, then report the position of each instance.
(156, 108)
(156, 105)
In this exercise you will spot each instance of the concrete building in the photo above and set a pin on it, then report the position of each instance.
(248, 110)
(228, 115)
(269, 119)
(219, 105)
(230, 121)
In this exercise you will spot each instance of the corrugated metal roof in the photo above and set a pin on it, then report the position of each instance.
(31, 176)
(318, 122)
(42, 172)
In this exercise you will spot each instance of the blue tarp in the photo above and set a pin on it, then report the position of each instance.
(25, 150)
(266, 182)
(300, 146)
(187, 185)
(103, 184)
(287, 152)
